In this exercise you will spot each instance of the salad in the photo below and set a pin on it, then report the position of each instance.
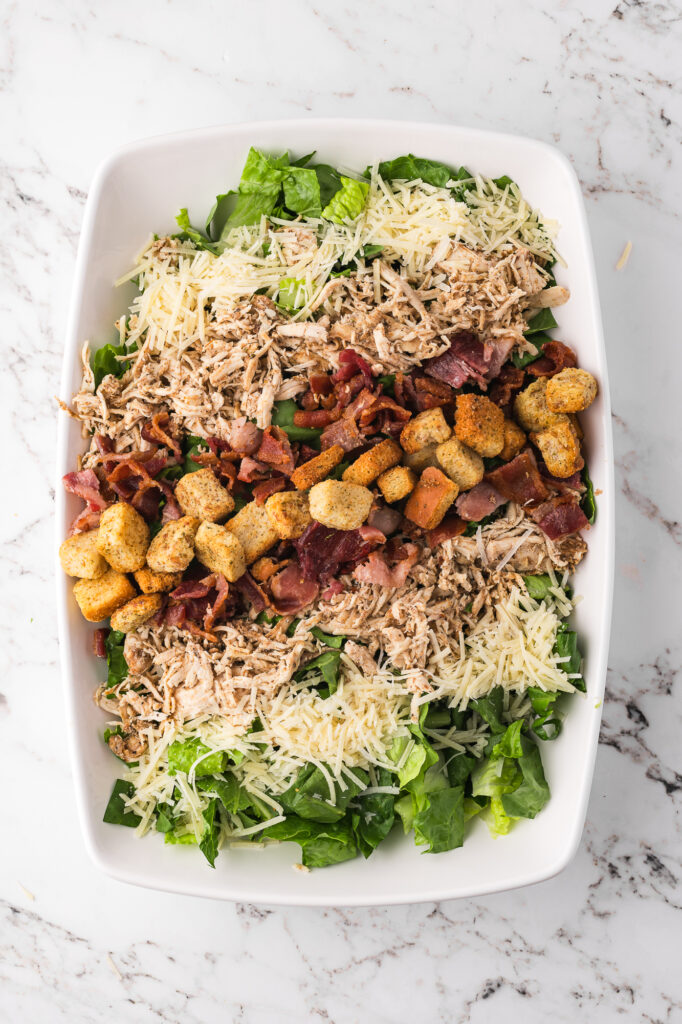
(334, 492)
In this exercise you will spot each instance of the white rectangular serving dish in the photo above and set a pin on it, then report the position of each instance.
(138, 191)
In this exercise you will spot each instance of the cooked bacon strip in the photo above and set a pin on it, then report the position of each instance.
(383, 403)
(316, 418)
(248, 588)
(322, 551)
(262, 491)
(344, 432)
(87, 486)
(506, 384)
(479, 502)
(98, 645)
(291, 592)
(350, 364)
(555, 357)
(452, 526)
(431, 393)
(519, 480)
(158, 430)
(244, 436)
(220, 602)
(321, 384)
(464, 360)
(275, 450)
(496, 352)
(87, 520)
(376, 569)
(251, 470)
(192, 589)
(560, 517)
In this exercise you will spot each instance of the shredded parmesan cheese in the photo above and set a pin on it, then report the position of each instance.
(624, 256)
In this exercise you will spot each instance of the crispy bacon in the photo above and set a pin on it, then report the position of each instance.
(351, 363)
(496, 352)
(432, 394)
(362, 401)
(555, 357)
(98, 642)
(405, 391)
(263, 490)
(323, 551)
(377, 570)
(250, 470)
(87, 486)
(334, 588)
(158, 429)
(193, 589)
(560, 516)
(316, 418)
(321, 384)
(291, 592)
(305, 453)
(464, 360)
(519, 480)
(479, 502)
(506, 384)
(451, 526)
(244, 436)
(275, 450)
(220, 602)
(344, 432)
(249, 589)
(87, 520)
(383, 404)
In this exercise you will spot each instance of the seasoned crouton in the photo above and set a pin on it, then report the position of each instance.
(317, 468)
(462, 464)
(341, 505)
(173, 547)
(418, 461)
(151, 582)
(254, 530)
(289, 513)
(199, 494)
(575, 423)
(514, 440)
(571, 390)
(479, 424)
(263, 568)
(428, 427)
(79, 556)
(560, 449)
(373, 463)
(531, 410)
(99, 598)
(136, 612)
(396, 483)
(220, 551)
(431, 498)
(123, 537)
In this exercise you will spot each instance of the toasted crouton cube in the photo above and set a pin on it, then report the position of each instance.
(479, 424)
(254, 530)
(514, 440)
(431, 498)
(531, 410)
(123, 537)
(428, 427)
(373, 463)
(136, 612)
(220, 551)
(418, 461)
(289, 513)
(79, 556)
(341, 505)
(396, 483)
(151, 582)
(199, 494)
(99, 598)
(571, 390)
(462, 464)
(317, 468)
(173, 547)
(560, 449)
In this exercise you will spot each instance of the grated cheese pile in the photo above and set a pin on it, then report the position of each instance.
(182, 289)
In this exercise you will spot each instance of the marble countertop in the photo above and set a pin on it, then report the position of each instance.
(600, 79)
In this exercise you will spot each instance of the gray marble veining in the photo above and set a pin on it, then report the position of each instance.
(601, 79)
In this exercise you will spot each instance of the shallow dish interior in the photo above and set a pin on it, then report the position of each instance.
(137, 192)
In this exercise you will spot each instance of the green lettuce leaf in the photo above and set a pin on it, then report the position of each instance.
(527, 799)
(538, 340)
(588, 503)
(308, 796)
(292, 294)
(459, 768)
(283, 416)
(231, 794)
(327, 664)
(115, 812)
(321, 844)
(542, 321)
(117, 666)
(410, 167)
(259, 189)
(440, 824)
(375, 816)
(538, 587)
(208, 844)
(348, 202)
(566, 646)
(329, 181)
(201, 240)
(328, 639)
(510, 744)
(543, 703)
(302, 191)
(490, 709)
(495, 776)
(104, 361)
(183, 753)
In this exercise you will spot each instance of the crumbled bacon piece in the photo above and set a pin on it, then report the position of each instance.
(87, 486)
(506, 384)
(316, 418)
(291, 592)
(479, 502)
(560, 516)
(351, 364)
(98, 642)
(555, 357)
(451, 526)
(377, 570)
(158, 429)
(263, 490)
(275, 450)
(519, 480)
(323, 551)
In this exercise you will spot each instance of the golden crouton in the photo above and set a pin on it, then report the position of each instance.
(560, 449)
(428, 427)
(173, 547)
(373, 463)
(123, 537)
(571, 390)
(479, 424)
(514, 440)
(136, 612)
(220, 551)
(254, 530)
(531, 410)
(418, 461)
(317, 468)
(341, 505)
(151, 582)
(263, 568)
(289, 513)
(99, 598)
(462, 464)
(431, 498)
(395, 484)
(199, 494)
(79, 556)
